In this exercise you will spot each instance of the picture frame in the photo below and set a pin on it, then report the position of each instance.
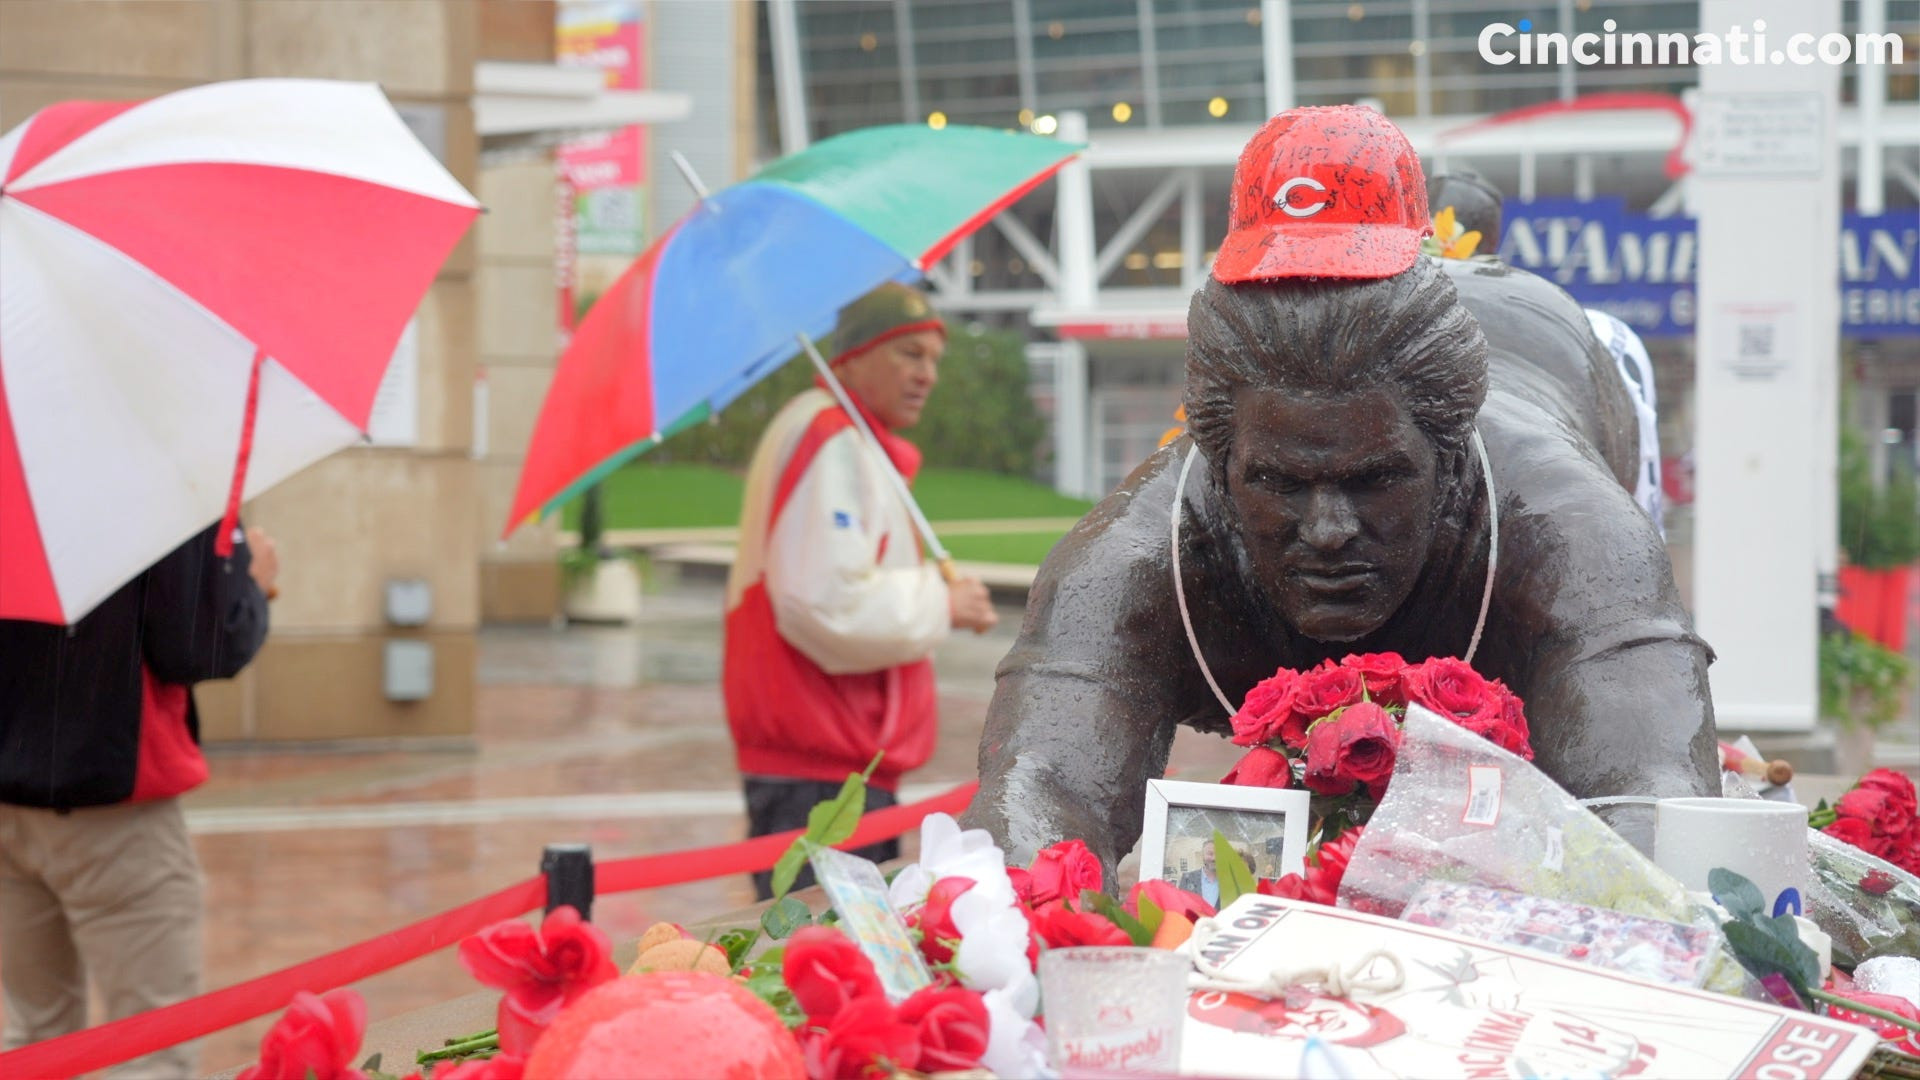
(1267, 825)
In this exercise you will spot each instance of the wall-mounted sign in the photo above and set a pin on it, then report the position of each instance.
(1759, 136)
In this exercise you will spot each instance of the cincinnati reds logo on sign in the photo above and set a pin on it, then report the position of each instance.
(1284, 197)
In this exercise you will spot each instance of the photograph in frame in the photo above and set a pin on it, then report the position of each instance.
(1267, 826)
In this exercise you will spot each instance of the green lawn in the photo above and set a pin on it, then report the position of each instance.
(644, 496)
(1028, 548)
(966, 495)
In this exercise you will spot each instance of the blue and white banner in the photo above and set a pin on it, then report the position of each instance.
(1641, 269)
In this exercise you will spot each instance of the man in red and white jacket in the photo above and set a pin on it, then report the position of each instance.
(831, 611)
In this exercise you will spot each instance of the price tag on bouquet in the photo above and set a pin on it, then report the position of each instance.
(859, 894)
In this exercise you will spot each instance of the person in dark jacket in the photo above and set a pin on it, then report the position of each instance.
(98, 738)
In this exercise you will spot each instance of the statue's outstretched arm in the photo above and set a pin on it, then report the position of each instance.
(1085, 708)
(1066, 755)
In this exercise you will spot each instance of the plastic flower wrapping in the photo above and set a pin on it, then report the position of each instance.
(1461, 809)
(1868, 906)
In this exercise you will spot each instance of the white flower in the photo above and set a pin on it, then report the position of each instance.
(1015, 1045)
(946, 851)
(993, 944)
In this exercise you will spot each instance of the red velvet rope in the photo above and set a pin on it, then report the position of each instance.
(123, 1040)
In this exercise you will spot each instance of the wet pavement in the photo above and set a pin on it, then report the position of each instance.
(610, 736)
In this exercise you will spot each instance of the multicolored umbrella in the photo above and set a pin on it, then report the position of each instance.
(715, 304)
(171, 269)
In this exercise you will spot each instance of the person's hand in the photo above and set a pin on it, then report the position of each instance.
(265, 565)
(970, 607)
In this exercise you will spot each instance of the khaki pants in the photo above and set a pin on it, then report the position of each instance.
(111, 892)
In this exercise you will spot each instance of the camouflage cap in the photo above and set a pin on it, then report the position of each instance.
(887, 312)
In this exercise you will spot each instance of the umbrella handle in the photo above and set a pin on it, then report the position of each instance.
(229, 521)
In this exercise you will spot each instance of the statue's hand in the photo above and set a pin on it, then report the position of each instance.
(1632, 820)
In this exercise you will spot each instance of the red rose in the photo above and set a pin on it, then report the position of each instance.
(503, 1067)
(542, 971)
(1063, 871)
(1879, 808)
(1167, 898)
(1894, 783)
(1850, 831)
(951, 1024)
(1909, 860)
(1512, 734)
(316, 1037)
(864, 1041)
(1261, 768)
(827, 972)
(1318, 694)
(1291, 887)
(1904, 1039)
(1332, 858)
(1877, 883)
(938, 934)
(1022, 885)
(1356, 747)
(1381, 672)
(1900, 797)
(1062, 926)
(1451, 688)
(1265, 709)
(1326, 868)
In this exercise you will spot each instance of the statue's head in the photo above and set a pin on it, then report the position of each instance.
(1337, 417)
(1332, 375)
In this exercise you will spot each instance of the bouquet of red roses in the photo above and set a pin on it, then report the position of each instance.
(1335, 729)
(1878, 817)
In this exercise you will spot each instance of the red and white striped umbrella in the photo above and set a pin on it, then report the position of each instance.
(199, 295)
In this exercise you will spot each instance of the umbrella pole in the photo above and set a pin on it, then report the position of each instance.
(223, 540)
(920, 523)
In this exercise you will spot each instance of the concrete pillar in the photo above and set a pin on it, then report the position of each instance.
(517, 344)
(1073, 460)
(1276, 50)
(1870, 172)
(1078, 255)
(1766, 355)
(1078, 258)
(789, 77)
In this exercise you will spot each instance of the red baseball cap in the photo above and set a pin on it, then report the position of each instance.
(1329, 191)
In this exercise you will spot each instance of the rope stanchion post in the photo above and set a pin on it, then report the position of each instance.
(569, 871)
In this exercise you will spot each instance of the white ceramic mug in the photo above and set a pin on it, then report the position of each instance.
(1761, 840)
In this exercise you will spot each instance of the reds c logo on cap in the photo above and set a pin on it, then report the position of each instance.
(1284, 197)
(1331, 192)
